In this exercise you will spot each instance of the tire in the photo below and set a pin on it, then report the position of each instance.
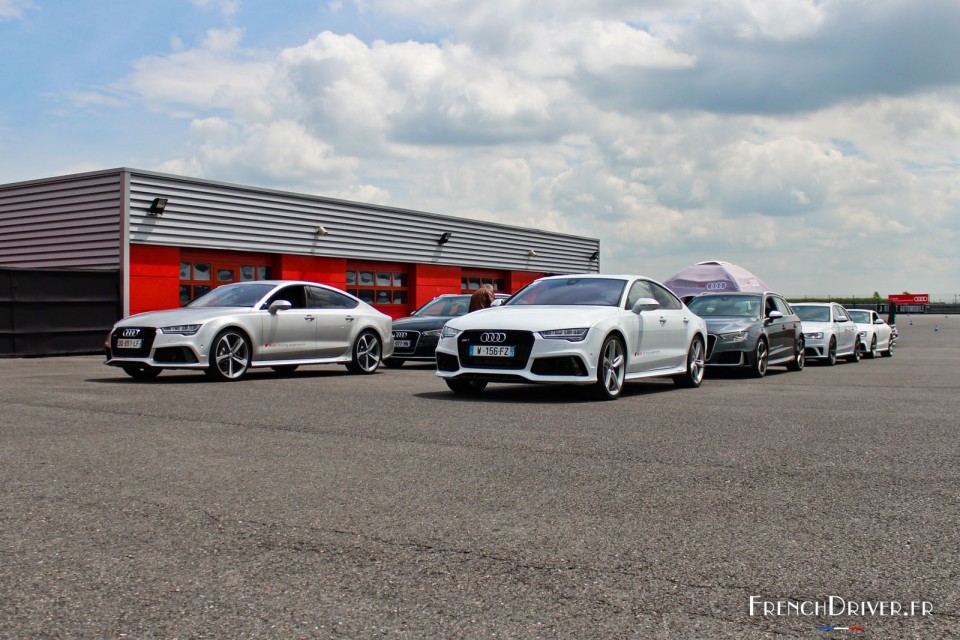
(693, 376)
(799, 358)
(611, 369)
(855, 356)
(141, 371)
(466, 387)
(831, 353)
(367, 354)
(285, 368)
(761, 357)
(229, 357)
(889, 352)
(392, 363)
(872, 353)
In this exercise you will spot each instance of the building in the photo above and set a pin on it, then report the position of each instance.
(170, 238)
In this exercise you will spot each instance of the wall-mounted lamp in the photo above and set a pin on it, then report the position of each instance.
(444, 238)
(532, 253)
(595, 255)
(321, 231)
(157, 207)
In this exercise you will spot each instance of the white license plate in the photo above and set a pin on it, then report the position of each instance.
(401, 344)
(128, 343)
(492, 351)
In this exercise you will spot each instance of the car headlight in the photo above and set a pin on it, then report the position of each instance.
(450, 332)
(432, 332)
(182, 329)
(572, 335)
(735, 336)
(816, 335)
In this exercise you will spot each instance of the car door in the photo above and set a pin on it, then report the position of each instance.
(645, 339)
(881, 329)
(674, 321)
(335, 320)
(846, 330)
(781, 332)
(289, 334)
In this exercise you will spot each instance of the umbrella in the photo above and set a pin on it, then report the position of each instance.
(713, 276)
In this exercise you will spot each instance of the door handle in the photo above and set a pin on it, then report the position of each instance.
(309, 318)
(349, 318)
(663, 320)
(686, 321)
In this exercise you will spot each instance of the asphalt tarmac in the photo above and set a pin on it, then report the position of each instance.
(324, 505)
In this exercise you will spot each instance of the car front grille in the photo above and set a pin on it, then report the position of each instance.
(412, 336)
(522, 341)
(146, 335)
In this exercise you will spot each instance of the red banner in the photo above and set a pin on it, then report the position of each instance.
(909, 298)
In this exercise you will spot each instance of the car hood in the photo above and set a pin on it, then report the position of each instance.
(186, 315)
(729, 324)
(810, 326)
(426, 323)
(533, 317)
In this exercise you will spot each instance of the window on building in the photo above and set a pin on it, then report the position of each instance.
(471, 281)
(379, 286)
(198, 277)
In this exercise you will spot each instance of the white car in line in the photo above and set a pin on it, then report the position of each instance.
(876, 336)
(597, 330)
(828, 332)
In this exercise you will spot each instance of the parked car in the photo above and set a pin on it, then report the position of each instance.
(415, 337)
(876, 336)
(750, 330)
(595, 330)
(267, 323)
(828, 332)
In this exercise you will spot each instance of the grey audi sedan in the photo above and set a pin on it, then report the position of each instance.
(279, 324)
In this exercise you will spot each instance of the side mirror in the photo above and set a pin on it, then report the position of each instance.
(774, 315)
(878, 321)
(497, 302)
(841, 319)
(279, 305)
(645, 304)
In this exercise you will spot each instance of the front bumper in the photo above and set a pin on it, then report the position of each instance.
(156, 349)
(816, 349)
(534, 359)
(414, 346)
(724, 353)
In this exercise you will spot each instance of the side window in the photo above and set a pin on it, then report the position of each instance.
(293, 294)
(639, 289)
(666, 299)
(320, 298)
(782, 306)
(838, 314)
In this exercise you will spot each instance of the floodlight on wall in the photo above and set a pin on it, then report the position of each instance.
(157, 207)
(531, 253)
(321, 231)
(595, 255)
(444, 238)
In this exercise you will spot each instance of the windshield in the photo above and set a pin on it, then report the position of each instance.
(862, 317)
(444, 307)
(604, 292)
(813, 314)
(233, 295)
(735, 306)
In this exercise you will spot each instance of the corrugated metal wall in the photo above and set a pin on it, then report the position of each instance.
(71, 222)
(206, 214)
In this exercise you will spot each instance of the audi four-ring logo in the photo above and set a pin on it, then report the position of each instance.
(399, 334)
(493, 336)
(130, 333)
(716, 286)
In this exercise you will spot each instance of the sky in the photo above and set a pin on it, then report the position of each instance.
(814, 142)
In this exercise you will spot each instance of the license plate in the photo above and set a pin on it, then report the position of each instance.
(129, 343)
(492, 351)
(401, 344)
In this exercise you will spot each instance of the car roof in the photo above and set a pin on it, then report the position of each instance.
(812, 304)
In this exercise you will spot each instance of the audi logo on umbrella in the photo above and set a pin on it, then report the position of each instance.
(131, 333)
(716, 286)
(493, 336)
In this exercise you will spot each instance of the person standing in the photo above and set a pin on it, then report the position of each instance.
(482, 298)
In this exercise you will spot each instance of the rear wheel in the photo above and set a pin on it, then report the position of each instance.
(693, 376)
(758, 367)
(230, 356)
(367, 354)
(799, 358)
(855, 356)
(872, 353)
(611, 368)
(141, 371)
(467, 387)
(832, 353)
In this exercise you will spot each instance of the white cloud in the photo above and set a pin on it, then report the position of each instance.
(225, 7)
(13, 9)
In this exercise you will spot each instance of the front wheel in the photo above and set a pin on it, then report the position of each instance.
(799, 358)
(367, 354)
(230, 356)
(873, 349)
(693, 376)
(611, 368)
(855, 356)
(758, 368)
(832, 353)
(889, 352)
(141, 371)
(466, 387)
(392, 363)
